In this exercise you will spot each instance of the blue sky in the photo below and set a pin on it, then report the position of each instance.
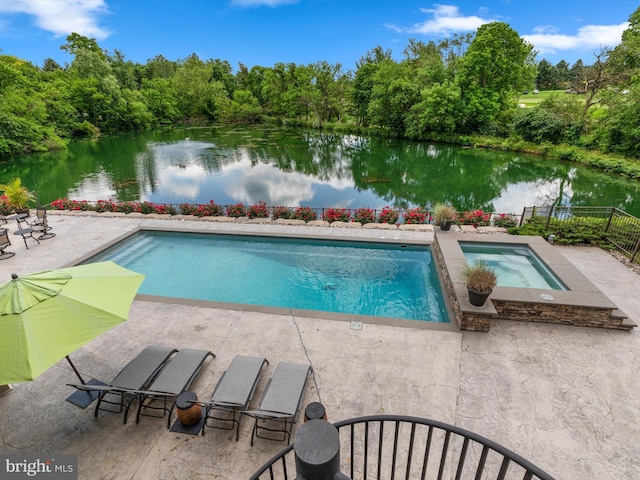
(263, 32)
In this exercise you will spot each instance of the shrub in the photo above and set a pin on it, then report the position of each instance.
(505, 220)
(144, 207)
(5, 207)
(539, 125)
(305, 213)
(236, 210)
(336, 215)
(163, 208)
(105, 206)
(572, 231)
(188, 209)
(211, 209)
(364, 215)
(477, 218)
(388, 215)
(282, 212)
(416, 215)
(258, 210)
(124, 207)
(65, 204)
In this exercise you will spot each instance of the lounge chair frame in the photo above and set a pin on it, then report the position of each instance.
(5, 242)
(287, 381)
(41, 224)
(171, 382)
(134, 378)
(233, 393)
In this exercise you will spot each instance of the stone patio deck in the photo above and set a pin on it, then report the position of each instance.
(566, 398)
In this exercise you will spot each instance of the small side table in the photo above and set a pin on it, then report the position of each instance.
(18, 217)
(26, 232)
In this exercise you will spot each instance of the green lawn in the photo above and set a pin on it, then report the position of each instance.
(531, 99)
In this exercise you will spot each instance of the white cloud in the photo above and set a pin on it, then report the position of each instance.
(446, 20)
(546, 40)
(62, 17)
(260, 3)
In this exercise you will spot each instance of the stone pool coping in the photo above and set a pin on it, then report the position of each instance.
(583, 304)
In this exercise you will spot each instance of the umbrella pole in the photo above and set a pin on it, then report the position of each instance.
(83, 398)
(75, 370)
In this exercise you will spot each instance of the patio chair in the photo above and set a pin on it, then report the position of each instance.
(281, 401)
(132, 380)
(175, 378)
(41, 224)
(233, 393)
(4, 243)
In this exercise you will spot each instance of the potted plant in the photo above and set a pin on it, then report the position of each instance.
(480, 279)
(444, 215)
(18, 196)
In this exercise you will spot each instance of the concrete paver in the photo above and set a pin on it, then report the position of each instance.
(563, 397)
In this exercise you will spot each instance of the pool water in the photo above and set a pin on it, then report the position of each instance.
(383, 280)
(515, 265)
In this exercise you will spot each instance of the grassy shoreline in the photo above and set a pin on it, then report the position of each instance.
(623, 166)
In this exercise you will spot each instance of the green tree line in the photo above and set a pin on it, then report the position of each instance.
(464, 85)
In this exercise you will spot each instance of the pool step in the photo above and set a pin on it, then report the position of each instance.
(626, 323)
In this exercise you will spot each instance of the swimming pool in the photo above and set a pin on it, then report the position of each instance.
(515, 265)
(382, 280)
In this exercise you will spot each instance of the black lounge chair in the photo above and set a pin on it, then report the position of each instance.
(233, 393)
(132, 380)
(281, 401)
(4, 243)
(175, 378)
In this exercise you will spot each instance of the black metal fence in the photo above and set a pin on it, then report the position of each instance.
(402, 447)
(620, 228)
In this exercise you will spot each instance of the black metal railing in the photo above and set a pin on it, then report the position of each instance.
(620, 228)
(403, 447)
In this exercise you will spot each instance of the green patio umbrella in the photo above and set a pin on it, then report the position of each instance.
(45, 316)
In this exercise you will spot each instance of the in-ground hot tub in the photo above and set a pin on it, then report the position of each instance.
(580, 303)
(516, 265)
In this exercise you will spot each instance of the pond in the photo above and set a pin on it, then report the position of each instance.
(294, 167)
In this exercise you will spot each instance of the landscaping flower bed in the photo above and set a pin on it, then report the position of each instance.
(363, 215)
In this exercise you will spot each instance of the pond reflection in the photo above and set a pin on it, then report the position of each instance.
(301, 168)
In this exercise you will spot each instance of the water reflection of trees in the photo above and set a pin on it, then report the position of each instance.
(402, 173)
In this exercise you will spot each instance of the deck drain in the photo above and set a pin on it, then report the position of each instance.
(356, 325)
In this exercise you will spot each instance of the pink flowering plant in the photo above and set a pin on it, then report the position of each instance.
(124, 207)
(477, 218)
(282, 212)
(211, 209)
(66, 204)
(258, 210)
(305, 213)
(364, 215)
(336, 215)
(236, 210)
(416, 215)
(5, 206)
(505, 220)
(388, 215)
(106, 206)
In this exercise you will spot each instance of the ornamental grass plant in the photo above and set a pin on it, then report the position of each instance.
(479, 276)
(444, 212)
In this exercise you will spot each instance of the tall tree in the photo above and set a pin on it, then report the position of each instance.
(495, 68)
(363, 83)
(548, 78)
(562, 68)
